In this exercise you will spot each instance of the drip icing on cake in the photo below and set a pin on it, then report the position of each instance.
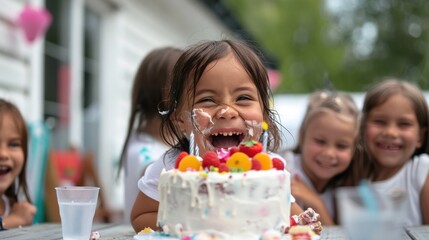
(238, 205)
(235, 193)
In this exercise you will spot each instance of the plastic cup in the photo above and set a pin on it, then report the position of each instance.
(77, 208)
(376, 218)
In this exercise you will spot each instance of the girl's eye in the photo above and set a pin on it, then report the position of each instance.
(342, 146)
(15, 144)
(319, 141)
(205, 100)
(378, 121)
(243, 98)
(404, 124)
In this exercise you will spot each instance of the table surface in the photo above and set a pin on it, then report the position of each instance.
(51, 231)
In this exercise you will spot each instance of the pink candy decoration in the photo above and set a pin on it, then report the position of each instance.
(223, 154)
(94, 236)
(34, 22)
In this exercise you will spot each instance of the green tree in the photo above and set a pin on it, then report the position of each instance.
(296, 33)
(400, 46)
(353, 43)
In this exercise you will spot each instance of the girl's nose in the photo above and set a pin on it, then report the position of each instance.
(3, 153)
(226, 112)
(329, 153)
(391, 130)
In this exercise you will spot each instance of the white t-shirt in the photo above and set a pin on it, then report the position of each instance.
(410, 179)
(148, 184)
(142, 150)
(295, 168)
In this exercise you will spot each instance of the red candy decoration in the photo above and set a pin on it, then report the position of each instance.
(179, 158)
(251, 148)
(278, 164)
(256, 165)
(233, 150)
(210, 159)
(292, 221)
(223, 168)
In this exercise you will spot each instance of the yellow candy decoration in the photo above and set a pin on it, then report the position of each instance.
(189, 162)
(239, 160)
(264, 126)
(265, 161)
(146, 230)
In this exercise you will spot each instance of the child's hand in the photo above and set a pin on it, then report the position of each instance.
(303, 193)
(309, 198)
(21, 214)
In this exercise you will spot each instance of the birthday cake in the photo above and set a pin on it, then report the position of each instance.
(239, 194)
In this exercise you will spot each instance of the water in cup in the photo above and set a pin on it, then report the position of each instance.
(79, 218)
(77, 208)
(364, 214)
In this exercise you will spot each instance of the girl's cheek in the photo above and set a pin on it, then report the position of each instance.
(254, 129)
(203, 121)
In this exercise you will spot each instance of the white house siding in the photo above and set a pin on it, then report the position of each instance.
(129, 30)
(19, 80)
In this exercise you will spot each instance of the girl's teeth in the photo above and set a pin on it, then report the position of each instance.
(225, 134)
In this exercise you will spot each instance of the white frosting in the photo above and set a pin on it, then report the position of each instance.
(233, 205)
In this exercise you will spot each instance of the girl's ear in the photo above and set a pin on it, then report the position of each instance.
(422, 137)
(179, 121)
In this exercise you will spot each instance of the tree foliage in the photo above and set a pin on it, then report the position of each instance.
(353, 43)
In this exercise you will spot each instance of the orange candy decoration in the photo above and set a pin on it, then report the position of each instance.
(265, 161)
(189, 162)
(239, 160)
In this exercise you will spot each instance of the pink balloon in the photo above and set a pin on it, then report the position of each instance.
(34, 22)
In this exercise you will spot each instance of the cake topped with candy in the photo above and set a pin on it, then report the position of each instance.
(237, 193)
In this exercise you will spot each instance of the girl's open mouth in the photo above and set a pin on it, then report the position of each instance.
(226, 139)
(5, 170)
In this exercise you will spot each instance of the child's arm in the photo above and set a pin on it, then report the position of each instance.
(311, 199)
(144, 213)
(295, 209)
(424, 201)
(21, 214)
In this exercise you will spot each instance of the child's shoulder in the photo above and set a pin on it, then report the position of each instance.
(421, 161)
(291, 157)
(419, 168)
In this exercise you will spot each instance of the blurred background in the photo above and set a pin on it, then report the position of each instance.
(69, 66)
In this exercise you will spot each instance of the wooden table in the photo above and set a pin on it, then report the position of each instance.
(51, 231)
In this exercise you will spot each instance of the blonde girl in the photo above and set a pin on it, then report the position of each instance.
(321, 160)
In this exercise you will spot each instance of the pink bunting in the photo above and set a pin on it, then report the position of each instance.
(274, 77)
(34, 22)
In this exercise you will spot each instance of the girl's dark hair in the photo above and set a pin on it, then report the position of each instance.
(9, 109)
(188, 71)
(151, 84)
(379, 94)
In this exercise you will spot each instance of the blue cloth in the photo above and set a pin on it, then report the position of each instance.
(39, 143)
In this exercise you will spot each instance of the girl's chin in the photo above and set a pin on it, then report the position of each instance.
(4, 185)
